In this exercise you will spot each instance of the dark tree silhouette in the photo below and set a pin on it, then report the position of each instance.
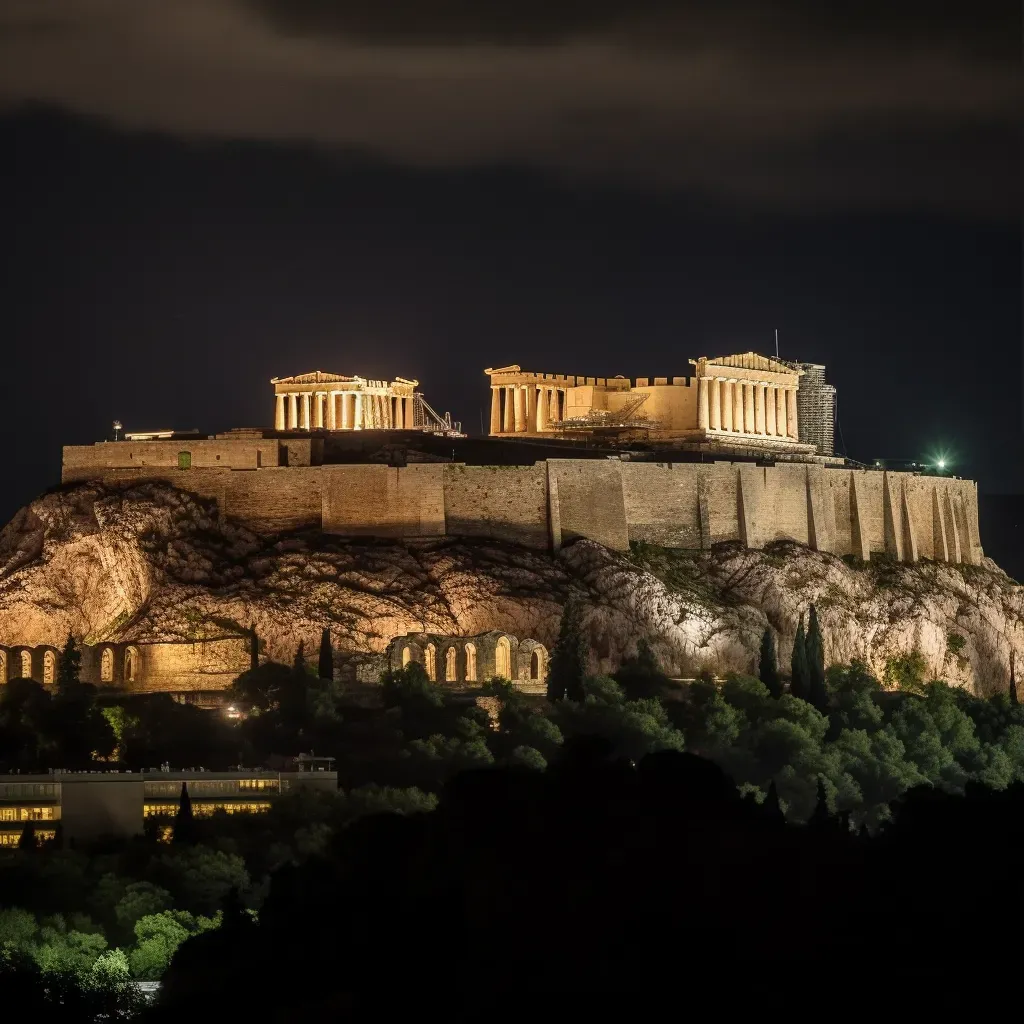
(799, 679)
(299, 664)
(1013, 681)
(771, 807)
(820, 816)
(326, 666)
(28, 837)
(254, 649)
(568, 666)
(768, 669)
(69, 665)
(817, 693)
(184, 822)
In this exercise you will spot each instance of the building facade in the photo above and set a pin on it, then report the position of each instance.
(330, 401)
(745, 400)
(88, 805)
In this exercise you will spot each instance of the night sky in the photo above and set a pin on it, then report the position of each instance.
(203, 194)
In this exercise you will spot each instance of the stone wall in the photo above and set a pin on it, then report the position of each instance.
(866, 513)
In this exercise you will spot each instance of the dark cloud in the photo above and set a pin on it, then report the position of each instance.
(797, 105)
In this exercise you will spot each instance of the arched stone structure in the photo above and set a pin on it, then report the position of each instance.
(25, 664)
(132, 664)
(107, 665)
(470, 662)
(503, 658)
(430, 661)
(49, 668)
(532, 662)
(451, 665)
(406, 655)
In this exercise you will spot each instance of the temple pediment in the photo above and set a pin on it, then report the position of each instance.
(316, 377)
(753, 361)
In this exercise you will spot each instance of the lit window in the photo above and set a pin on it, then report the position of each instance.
(49, 667)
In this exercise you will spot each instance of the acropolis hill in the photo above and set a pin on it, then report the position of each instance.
(693, 513)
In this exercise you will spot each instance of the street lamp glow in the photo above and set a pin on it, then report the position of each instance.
(941, 464)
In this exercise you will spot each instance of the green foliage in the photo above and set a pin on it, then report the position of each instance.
(800, 672)
(199, 878)
(641, 675)
(955, 644)
(528, 757)
(568, 666)
(69, 664)
(158, 937)
(768, 668)
(411, 689)
(906, 671)
(141, 899)
(260, 688)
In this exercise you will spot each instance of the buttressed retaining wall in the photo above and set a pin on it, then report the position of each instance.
(681, 505)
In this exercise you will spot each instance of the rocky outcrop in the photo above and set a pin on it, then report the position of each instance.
(150, 563)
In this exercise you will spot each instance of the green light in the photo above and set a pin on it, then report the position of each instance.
(941, 464)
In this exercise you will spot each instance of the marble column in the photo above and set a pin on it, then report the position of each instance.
(703, 405)
(357, 415)
(716, 404)
(399, 414)
(509, 420)
(727, 393)
(769, 410)
(737, 406)
(749, 426)
(332, 410)
(543, 405)
(410, 418)
(531, 409)
(495, 411)
(791, 422)
(780, 412)
(280, 415)
(307, 410)
(318, 410)
(518, 398)
(758, 408)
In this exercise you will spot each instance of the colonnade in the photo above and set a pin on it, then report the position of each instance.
(344, 410)
(526, 408)
(730, 404)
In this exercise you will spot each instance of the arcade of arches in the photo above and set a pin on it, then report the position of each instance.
(469, 660)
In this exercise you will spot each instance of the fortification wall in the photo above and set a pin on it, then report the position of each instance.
(203, 665)
(867, 513)
(504, 502)
(217, 453)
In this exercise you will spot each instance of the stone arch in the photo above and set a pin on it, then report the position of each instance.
(470, 663)
(26, 664)
(430, 662)
(406, 655)
(107, 665)
(532, 661)
(451, 672)
(49, 668)
(131, 664)
(503, 658)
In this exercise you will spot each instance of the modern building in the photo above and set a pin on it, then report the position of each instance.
(92, 804)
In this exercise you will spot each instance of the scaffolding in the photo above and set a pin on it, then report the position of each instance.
(603, 421)
(432, 422)
(816, 409)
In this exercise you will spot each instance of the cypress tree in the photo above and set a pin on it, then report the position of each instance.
(799, 680)
(568, 666)
(817, 692)
(184, 822)
(768, 671)
(254, 649)
(772, 808)
(1013, 681)
(820, 817)
(69, 664)
(27, 840)
(326, 666)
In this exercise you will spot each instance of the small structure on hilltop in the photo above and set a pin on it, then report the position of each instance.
(472, 660)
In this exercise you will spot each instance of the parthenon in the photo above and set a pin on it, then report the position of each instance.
(745, 399)
(330, 401)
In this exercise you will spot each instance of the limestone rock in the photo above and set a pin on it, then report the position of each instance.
(150, 563)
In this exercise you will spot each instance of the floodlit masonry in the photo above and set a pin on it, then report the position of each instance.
(473, 660)
(274, 485)
(331, 401)
(745, 400)
(89, 805)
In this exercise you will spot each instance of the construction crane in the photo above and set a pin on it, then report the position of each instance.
(435, 423)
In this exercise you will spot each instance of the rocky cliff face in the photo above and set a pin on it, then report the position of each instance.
(151, 563)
